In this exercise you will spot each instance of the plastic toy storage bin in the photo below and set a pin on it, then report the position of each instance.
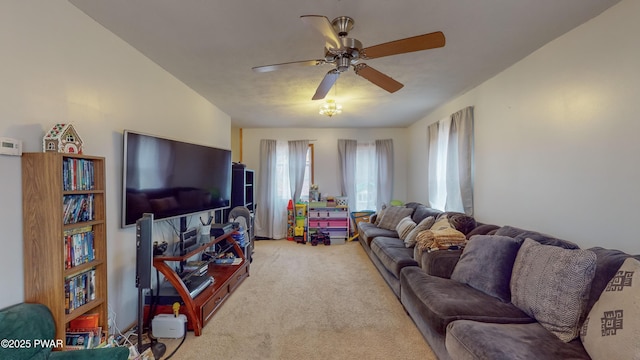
(328, 223)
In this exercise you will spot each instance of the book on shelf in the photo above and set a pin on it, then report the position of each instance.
(84, 338)
(79, 246)
(77, 174)
(85, 321)
(77, 208)
(79, 289)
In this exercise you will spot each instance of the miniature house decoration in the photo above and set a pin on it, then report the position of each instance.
(62, 138)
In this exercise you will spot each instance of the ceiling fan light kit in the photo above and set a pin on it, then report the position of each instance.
(330, 108)
(343, 52)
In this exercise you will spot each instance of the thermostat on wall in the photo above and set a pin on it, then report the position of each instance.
(10, 146)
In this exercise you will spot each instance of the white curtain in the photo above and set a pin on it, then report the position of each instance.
(273, 190)
(347, 155)
(297, 165)
(366, 177)
(384, 160)
(450, 176)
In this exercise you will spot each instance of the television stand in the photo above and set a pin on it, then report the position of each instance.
(200, 308)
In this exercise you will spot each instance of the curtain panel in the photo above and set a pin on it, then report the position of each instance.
(271, 213)
(450, 167)
(347, 157)
(297, 165)
(384, 159)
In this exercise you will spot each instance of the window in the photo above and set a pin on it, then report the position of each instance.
(365, 176)
(308, 175)
(450, 176)
(282, 156)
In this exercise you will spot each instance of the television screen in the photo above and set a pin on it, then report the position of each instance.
(171, 178)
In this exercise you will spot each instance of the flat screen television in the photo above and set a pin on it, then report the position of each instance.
(171, 178)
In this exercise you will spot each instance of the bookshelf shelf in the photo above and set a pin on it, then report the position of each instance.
(58, 247)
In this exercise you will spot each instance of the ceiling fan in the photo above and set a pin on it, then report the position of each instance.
(342, 52)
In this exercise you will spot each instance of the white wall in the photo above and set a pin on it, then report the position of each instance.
(58, 65)
(556, 136)
(326, 152)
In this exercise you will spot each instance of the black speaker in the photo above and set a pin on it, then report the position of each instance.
(144, 251)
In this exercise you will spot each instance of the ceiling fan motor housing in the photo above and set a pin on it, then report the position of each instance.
(342, 25)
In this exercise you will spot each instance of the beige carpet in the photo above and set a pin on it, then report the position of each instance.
(308, 302)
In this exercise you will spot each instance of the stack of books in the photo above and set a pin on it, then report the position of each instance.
(84, 333)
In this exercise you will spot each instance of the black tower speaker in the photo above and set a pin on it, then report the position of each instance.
(144, 258)
(144, 251)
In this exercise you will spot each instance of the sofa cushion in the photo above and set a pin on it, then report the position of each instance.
(404, 227)
(486, 264)
(480, 340)
(420, 212)
(612, 328)
(393, 254)
(438, 263)
(392, 216)
(551, 285)
(369, 231)
(439, 301)
(521, 234)
(483, 229)
(412, 237)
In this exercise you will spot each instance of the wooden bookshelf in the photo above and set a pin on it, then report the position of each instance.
(46, 256)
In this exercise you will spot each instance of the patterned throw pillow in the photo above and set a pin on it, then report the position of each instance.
(412, 237)
(404, 227)
(612, 329)
(552, 284)
(392, 216)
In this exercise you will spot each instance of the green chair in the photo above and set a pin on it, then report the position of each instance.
(29, 325)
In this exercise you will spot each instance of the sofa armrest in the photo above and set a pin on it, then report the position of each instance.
(440, 263)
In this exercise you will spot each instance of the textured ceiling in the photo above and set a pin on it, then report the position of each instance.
(211, 46)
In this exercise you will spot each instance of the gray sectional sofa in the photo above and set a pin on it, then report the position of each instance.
(510, 294)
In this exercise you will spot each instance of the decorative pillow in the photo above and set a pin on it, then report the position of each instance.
(486, 265)
(412, 237)
(404, 227)
(612, 329)
(378, 216)
(440, 239)
(551, 284)
(392, 216)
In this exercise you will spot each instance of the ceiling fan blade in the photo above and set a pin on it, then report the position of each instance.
(326, 84)
(267, 68)
(378, 78)
(416, 43)
(323, 25)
